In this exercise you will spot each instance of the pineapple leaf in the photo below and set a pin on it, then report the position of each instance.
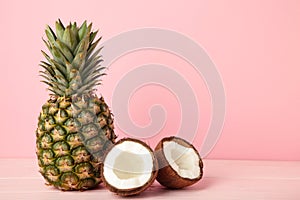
(98, 71)
(65, 50)
(45, 63)
(59, 29)
(47, 67)
(60, 68)
(86, 87)
(74, 31)
(46, 56)
(75, 84)
(90, 64)
(59, 83)
(74, 66)
(89, 28)
(50, 34)
(82, 30)
(91, 68)
(73, 74)
(59, 75)
(61, 24)
(54, 92)
(47, 83)
(93, 78)
(93, 35)
(79, 60)
(61, 80)
(82, 46)
(68, 68)
(93, 46)
(69, 39)
(94, 56)
(48, 45)
(46, 78)
(59, 86)
(58, 55)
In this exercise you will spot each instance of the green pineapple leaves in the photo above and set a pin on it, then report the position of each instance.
(73, 67)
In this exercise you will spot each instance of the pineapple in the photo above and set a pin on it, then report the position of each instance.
(75, 127)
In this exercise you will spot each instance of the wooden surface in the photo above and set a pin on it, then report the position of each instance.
(223, 179)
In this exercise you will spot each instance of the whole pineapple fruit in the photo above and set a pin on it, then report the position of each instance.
(75, 127)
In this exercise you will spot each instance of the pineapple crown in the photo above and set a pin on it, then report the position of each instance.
(74, 68)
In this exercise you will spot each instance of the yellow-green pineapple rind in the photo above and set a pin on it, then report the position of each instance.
(71, 143)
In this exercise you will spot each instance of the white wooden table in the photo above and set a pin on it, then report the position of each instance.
(223, 179)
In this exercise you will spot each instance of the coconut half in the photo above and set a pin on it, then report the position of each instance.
(180, 164)
(129, 167)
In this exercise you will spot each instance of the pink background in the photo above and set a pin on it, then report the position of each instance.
(254, 44)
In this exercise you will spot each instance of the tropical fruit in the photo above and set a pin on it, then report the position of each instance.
(180, 164)
(75, 127)
(129, 167)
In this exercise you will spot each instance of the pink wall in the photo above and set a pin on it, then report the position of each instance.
(254, 44)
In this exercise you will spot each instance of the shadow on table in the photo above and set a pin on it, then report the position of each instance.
(156, 190)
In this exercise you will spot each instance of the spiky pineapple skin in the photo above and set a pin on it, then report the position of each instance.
(72, 136)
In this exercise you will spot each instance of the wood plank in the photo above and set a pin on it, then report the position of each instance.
(223, 179)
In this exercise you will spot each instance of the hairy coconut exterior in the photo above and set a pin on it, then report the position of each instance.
(133, 191)
(167, 176)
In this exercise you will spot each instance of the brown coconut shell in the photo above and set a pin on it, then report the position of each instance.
(167, 176)
(137, 190)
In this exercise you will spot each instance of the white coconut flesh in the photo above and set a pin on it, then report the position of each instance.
(128, 165)
(184, 160)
